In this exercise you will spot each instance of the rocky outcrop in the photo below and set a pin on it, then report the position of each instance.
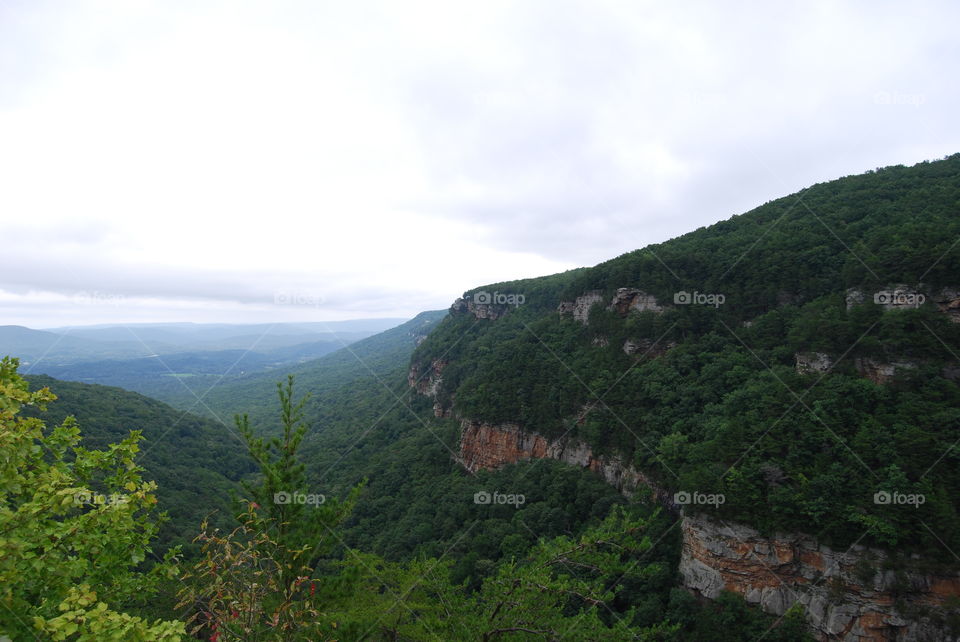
(490, 311)
(647, 348)
(901, 296)
(632, 299)
(881, 372)
(813, 362)
(855, 296)
(427, 380)
(486, 446)
(846, 595)
(624, 301)
(580, 308)
(948, 302)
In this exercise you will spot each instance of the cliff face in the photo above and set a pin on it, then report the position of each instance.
(625, 300)
(426, 381)
(486, 446)
(491, 311)
(844, 594)
(580, 308)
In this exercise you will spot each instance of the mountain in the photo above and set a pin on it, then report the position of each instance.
(331, 377)
(167, 360)
(783, 383)
(34, 345)
(197, 463)
(184, 337)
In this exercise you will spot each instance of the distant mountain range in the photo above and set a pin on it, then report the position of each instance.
(162, 359)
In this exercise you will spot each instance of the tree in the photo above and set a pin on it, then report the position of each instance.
(271, 577)
(302, 521)
(72, 519)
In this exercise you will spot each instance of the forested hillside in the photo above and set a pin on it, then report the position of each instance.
(196, 462)
(697, 374)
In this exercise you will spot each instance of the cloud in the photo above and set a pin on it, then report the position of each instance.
(391, 156)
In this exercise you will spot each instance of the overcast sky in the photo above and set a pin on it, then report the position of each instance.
(258, 161)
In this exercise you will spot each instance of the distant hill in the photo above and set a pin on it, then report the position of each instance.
(168, 359)
(31, 346)
(325, 378)
(196, 462)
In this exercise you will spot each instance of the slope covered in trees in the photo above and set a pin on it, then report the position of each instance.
(711, 398)
(196, 462)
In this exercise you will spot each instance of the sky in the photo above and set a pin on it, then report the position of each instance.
(311, 161)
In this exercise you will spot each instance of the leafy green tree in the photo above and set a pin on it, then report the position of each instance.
(72, 519)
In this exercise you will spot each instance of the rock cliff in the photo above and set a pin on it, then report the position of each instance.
(846, 595)
(625, 300)
(426, 381)
(491, 311)
(486, 446)
(580, 308)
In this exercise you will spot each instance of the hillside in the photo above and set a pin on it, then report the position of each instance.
(785, 380)
(169, 360)
(711, 396)
(196, 462)
(798, 361)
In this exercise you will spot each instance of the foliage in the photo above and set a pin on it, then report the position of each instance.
(197, 463)
(716, 405)
(71, 517)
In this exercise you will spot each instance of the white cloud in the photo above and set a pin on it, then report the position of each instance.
(197, 158)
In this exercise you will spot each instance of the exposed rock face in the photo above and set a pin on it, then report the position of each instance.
(840, 603)
(879, 372)
(580, 308)
(426, 381)
(948, 302)
(491, 311)
(876, 371)
(771, 572)
(646, 347)
(855, 296)
(486, 446)
(813, 362)
(627, 299)
(899, 297)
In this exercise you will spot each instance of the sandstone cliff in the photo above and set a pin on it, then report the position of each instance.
(846, 595)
